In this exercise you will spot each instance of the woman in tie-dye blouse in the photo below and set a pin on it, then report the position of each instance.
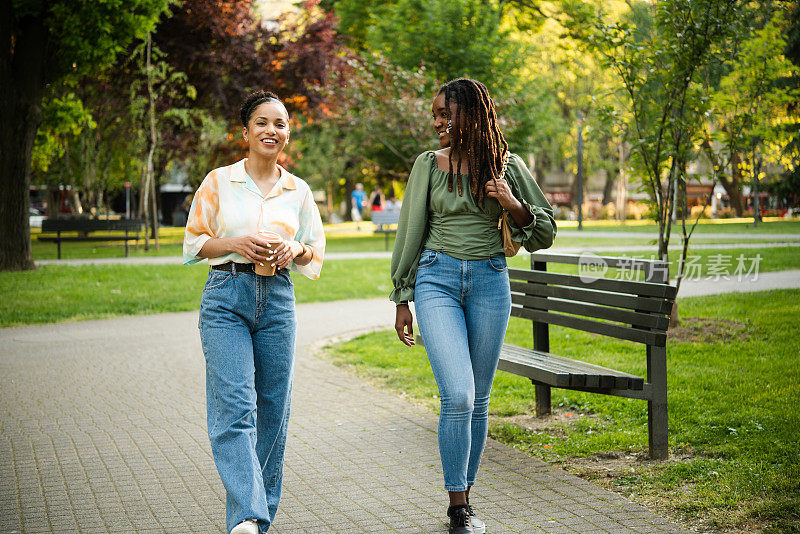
(247, 321)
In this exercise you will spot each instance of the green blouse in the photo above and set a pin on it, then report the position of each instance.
(434, 218)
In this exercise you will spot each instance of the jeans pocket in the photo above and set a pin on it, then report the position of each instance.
(427, 258)
(498, 263)
(216, 279)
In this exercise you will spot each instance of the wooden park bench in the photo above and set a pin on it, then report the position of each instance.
(633, 310)
(85, 226)
(386, 223)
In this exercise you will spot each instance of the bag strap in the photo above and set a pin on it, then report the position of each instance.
(505, 165)
(503, 175)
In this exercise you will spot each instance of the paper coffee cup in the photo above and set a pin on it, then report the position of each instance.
(273, 239)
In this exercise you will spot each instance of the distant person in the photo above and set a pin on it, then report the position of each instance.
(179, 216)
(377, 200)
(392, 204)
(254, 221)
(448, 258)
(358, 201)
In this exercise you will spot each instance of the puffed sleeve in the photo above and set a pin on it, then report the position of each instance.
(311, 233)
(541, 232)
(412, 229)
(202, 223)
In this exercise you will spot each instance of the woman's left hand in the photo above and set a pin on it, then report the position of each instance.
(500, 190)
(284, 253)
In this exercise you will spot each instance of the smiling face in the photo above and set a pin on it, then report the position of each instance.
(442, 114)
(267, 130)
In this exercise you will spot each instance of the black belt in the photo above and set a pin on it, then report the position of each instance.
(235, 267)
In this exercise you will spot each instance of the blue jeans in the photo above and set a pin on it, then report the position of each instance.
(462, 309)
(248, 329)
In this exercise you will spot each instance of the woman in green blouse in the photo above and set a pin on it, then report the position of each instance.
(448, 258)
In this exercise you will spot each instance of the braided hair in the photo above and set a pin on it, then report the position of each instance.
(474, 134)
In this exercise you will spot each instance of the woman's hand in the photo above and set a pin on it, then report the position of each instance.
(404, 324)
(284, 252)
(252, 247)
(500, 190)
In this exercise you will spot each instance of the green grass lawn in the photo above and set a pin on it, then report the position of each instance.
(705, 226)
(723, 260)
(171, 239)
(733, 400)
(171, 244)
(55, 293)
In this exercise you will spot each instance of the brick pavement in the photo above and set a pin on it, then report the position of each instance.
(102, 429)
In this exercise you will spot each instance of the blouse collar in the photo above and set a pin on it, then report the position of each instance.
(286, 181)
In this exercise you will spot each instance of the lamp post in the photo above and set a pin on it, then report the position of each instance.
(127, 200)
(580, 170)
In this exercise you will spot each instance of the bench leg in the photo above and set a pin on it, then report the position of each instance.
(543, 406)
(58, 244)
(657, 421)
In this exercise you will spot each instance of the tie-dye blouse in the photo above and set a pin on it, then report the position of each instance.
(229, 204)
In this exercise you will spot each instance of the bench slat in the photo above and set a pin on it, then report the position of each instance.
(540, 375)
(645, 320)
(578, 377)
(574, 376)
(618, 300)
(651, 268)
(591, 375)
(525, 362)
(623, 379)
(595, 327)
(90, 238)
(618, 286)
(90, 225)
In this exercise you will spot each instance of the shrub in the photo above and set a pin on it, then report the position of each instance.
(699, 210)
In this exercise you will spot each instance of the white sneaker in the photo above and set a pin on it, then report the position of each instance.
(248, 526)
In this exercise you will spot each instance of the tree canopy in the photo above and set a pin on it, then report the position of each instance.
(670, 83)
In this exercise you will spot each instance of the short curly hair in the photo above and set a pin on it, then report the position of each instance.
(255, 99)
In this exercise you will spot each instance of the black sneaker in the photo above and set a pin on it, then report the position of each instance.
(460, 522)
(477, 525)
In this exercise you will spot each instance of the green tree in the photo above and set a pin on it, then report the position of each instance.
(660, 69)
(753, 105)
(43, 43)
(372, 127)
(450, 38)
(559, 81)
(789, 186)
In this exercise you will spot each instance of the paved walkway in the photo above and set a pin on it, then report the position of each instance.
(102, 429)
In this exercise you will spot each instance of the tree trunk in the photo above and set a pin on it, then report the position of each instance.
(734, 186)
(144, 205)
(16, 146)
(622, 184)
(608, 189)
(151, 179)
(22, 84)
